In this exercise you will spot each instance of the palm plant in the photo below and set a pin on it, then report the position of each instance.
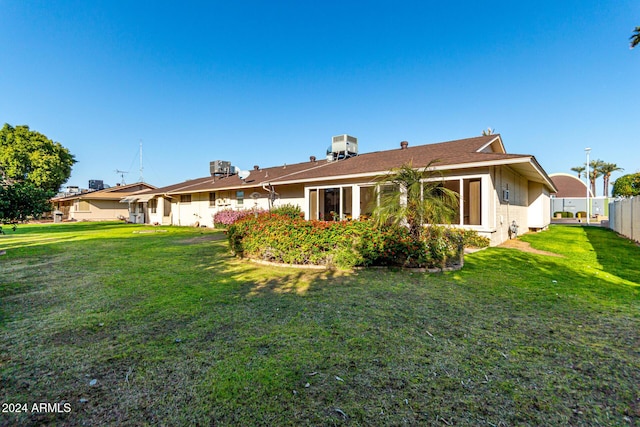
(635, 38)
(579, 170)
(595, 172)
(413, 198)
(607, 169)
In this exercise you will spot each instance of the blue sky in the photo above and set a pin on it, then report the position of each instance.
(268, 83)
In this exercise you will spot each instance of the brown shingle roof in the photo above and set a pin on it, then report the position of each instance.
(470, 152)
(111, 193)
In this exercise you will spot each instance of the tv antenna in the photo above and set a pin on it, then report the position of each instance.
(121, 173)
(141, 166)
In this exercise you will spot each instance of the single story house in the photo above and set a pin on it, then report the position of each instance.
(496, 189)
(105, 204)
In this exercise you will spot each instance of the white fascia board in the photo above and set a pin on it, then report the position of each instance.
(330, 178)
(491, 142)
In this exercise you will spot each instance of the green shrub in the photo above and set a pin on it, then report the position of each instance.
(563, 214)
(472, 239)
(292, 211)
(345, 244)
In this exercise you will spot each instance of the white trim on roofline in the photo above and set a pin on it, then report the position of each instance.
(491, 142)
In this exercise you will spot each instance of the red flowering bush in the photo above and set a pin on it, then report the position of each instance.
(344, 244)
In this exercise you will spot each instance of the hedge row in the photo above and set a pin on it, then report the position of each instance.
(345, 244)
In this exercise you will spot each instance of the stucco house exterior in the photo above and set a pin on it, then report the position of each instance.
(496, 188)
(102, 205)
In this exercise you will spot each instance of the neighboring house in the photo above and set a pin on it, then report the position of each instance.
(571, 198)
(495, 188)
(102, 205)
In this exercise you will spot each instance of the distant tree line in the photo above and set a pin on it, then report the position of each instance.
(597, 169)
(625, 186)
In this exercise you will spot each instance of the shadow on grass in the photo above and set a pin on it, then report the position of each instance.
(618, 256)
(67, 227)
(542, 280)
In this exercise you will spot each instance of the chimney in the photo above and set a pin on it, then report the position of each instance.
(256, 167)
(312, 159)
(404, 145)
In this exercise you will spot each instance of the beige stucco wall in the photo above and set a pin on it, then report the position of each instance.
(199, 209)
(100, 210)
(539, 215)
(514, 209)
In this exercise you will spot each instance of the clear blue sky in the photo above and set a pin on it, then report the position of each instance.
(270, 82)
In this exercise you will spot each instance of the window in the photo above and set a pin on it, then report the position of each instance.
(367, 201)
(185, 198)
(153, 205)
(472, 202)
(469, 211)
(82, 206)
(331, 204)
(212, 199)
(240, 198)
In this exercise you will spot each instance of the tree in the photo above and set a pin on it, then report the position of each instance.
(627, 186)
(20, 201)
(607, 169)
(635, 38)
(488, 131)
(414, 197)
(579, 170)
(595, 172)
(29, 156)
(32, 169)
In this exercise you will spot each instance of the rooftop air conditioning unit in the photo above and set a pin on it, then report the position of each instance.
(220, 167)
(342, 146)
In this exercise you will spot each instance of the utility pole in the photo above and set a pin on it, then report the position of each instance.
(588, 150)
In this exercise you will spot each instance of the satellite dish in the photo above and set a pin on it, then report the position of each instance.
(243, 174)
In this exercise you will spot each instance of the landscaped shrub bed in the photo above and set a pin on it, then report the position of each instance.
(344, 244)
(563, 214)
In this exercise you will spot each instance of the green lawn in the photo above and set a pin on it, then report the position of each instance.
(133, 325)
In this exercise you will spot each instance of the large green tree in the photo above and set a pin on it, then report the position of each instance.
(32, 169)
(414, 197)
(29, 156)
(21, 200)
(627, 186)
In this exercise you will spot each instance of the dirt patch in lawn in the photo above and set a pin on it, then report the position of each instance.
(526, 247)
